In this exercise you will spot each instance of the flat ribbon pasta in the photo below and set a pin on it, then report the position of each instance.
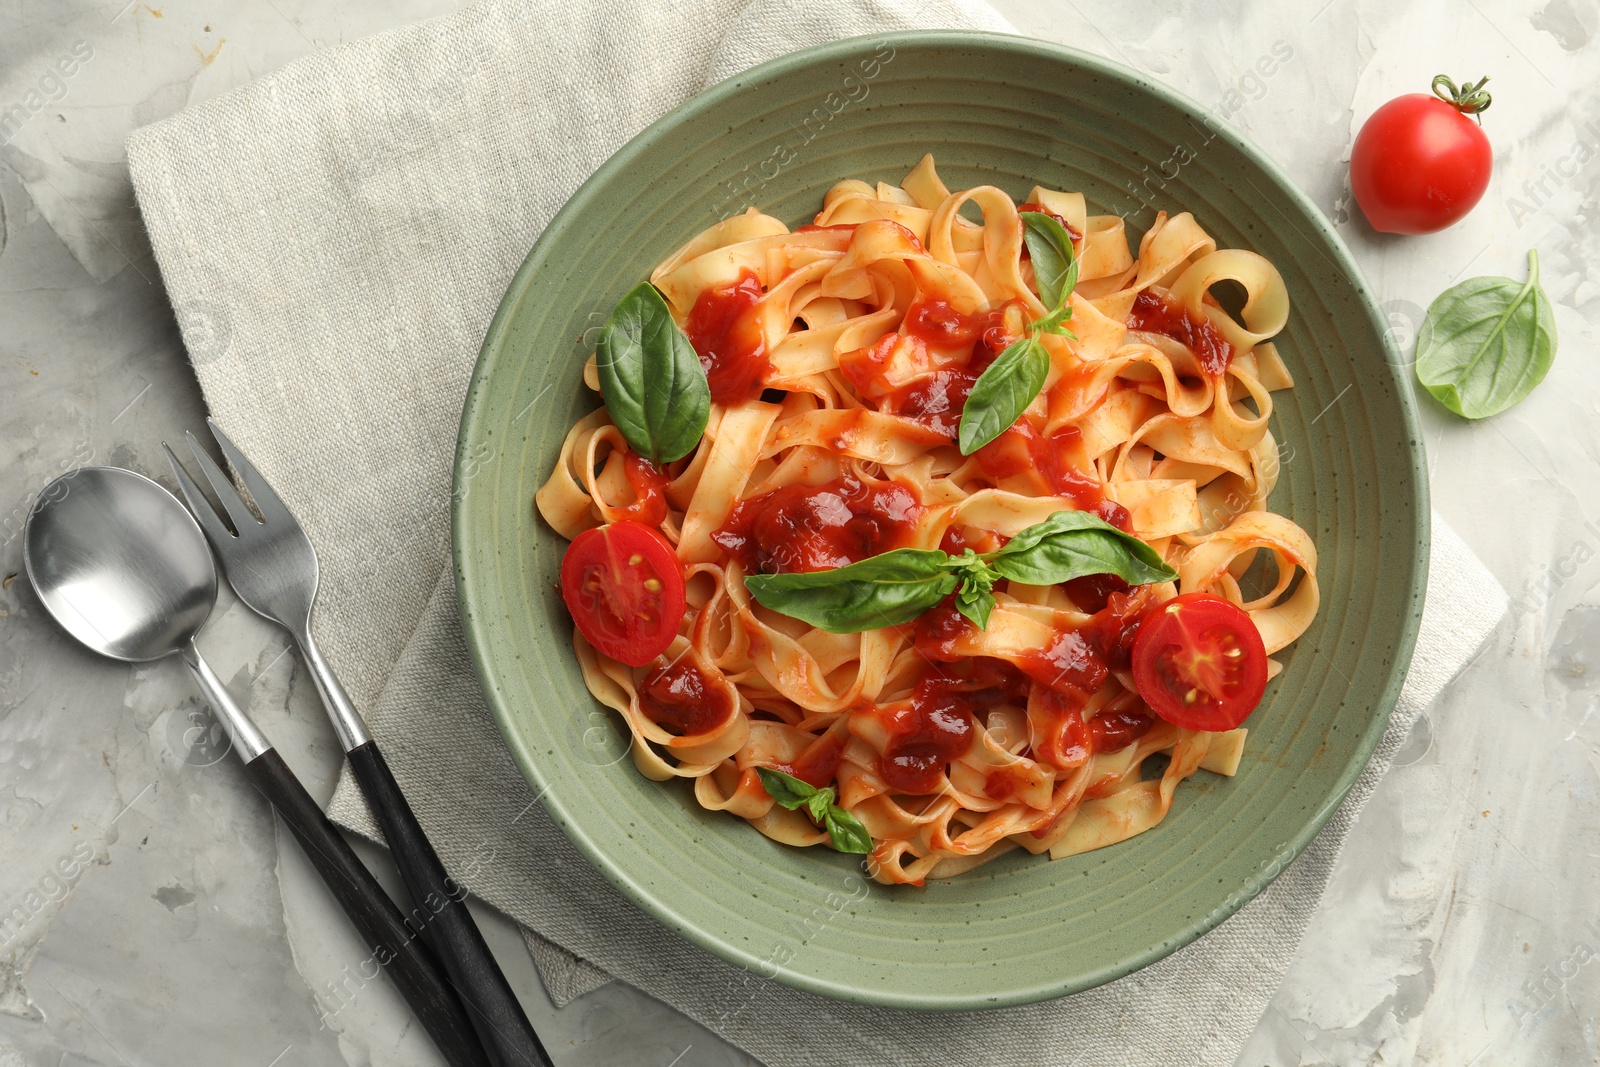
(952, 745)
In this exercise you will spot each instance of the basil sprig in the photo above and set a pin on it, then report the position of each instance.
(1008, 385)
(1486, 343)
(650, 375)
(973, 597)
(790, 792)
(896, 587)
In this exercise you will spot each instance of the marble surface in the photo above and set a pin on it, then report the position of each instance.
(152, 913)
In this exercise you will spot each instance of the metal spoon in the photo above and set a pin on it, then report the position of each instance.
(124, 568)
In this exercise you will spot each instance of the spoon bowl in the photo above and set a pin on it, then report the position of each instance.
(120, 563)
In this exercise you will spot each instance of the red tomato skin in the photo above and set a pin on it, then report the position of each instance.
(1201, 612)
(1419, 165)
(622, 618)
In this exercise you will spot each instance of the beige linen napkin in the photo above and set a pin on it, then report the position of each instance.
(335, 238)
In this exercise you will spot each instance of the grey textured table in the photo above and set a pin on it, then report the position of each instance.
(151, 913)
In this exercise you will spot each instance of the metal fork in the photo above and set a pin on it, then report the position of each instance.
(273, 568)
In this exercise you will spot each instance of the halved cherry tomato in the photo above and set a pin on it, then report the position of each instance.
(624, 586)
(1199, 662)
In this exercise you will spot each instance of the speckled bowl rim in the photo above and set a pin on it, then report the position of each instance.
(476, 625)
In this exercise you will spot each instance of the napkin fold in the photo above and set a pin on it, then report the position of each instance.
(335, 238)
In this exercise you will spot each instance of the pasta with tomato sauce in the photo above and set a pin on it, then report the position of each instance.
(839, 359)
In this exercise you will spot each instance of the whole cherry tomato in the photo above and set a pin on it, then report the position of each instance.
(1420, 163)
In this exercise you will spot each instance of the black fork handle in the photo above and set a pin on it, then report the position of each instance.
(441, 905)
(407, 961)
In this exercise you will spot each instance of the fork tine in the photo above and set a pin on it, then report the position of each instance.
(217, 533)
(271, 506)
(226, 493)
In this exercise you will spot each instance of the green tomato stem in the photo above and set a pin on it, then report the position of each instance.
(1470, 99)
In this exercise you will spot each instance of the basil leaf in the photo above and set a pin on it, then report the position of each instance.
(1055, 268)
(973, 598)
(976, 603)
(1071, 544)
(847, 832)
(1002, 393)
(1486, 343)
(787, 790)
(885, 590)
(654, 387)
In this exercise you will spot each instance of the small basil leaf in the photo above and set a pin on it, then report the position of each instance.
(973, 598)
(1072, 544)
(1055, 268)
(847, 832)
(654, 386)
(787, 790)
(1055, 322)
(975, 602)
(1002, 393)
(1486, 343)
(969, 563)
(819, 804)
(885, 590)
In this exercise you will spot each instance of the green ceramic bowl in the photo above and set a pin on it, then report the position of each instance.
(1010, 112)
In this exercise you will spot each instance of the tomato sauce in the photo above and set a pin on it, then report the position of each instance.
(649, 485)
(935, 399)
(1111, 730)
(819, 763)
(865, 367)
(1112, 630)
(1073, 661)
(958, 538)
(1060, 736)
(923, 739)
(1070, 661)
(726, 332)
(1091, 592)
(936, 725)
(938, 323)
(983, 681)
(801, 528)
(1153, 313)
(1056, 463)
(682, 700)
(937, 630)
(1000, 784)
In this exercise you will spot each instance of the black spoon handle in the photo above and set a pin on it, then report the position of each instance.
(395, 947)
(441, 904)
